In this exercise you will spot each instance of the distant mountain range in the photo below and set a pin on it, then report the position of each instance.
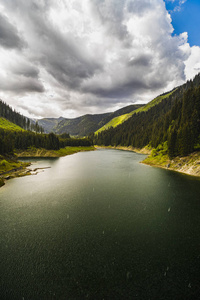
(84, 125)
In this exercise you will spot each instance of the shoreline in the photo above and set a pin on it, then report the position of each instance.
(188, 165)
(144, 150)
(23, 169)
(14, 173)
(44, 153)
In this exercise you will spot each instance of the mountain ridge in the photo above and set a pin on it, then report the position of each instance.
(83, 125)
(171, 127)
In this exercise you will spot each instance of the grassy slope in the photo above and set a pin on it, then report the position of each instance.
(7, 125)
(119, 120)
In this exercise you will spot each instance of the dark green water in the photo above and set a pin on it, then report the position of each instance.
(99, 225)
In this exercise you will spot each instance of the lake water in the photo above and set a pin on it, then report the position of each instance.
(100, 225)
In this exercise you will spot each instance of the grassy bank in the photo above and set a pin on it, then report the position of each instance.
(35, 152)
(8, 164)
(10, 168)
(158, 157)
(189, 164)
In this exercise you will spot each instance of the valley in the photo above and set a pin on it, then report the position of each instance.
(168, 127)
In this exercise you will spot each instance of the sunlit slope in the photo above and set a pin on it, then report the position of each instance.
(121, 119)
(7, 125)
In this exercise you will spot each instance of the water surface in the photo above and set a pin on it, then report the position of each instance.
(100, 225)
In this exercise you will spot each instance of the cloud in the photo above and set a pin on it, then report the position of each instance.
(177, 4)
(192, 65)
(73, 57)
(9, 36)
(18, 75)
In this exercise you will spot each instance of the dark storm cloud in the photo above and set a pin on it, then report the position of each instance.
(88, 54)
(62, 55)
(21, 85)
(66, 61)
(9, 36)
(25, 70)
(117, 91)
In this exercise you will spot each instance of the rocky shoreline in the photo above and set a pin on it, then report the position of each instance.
(20, 172)
(13, 173)
(189, 165)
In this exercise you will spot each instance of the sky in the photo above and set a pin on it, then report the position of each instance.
(73, 57)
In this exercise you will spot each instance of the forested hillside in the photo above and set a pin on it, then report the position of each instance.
(11, 115)
(18, 132)
(174, 121)
(116, 121)
(11, 140)
(7, 125)
(83, 125)
(49, 124)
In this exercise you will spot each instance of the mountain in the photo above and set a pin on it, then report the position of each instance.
(49, 123)
(115, 121)
(84, 125)
(174, 120)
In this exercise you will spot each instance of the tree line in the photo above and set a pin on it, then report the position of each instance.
(22, 140)
(8, 113)
(175, 120)
(33, 135)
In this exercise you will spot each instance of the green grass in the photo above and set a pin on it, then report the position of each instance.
(121, 119)
(158, 156)
(72, 150)
(8, 165)
(154, 102)
(7, 125)
(40, 152)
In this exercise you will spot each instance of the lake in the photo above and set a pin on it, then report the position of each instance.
(100, 225)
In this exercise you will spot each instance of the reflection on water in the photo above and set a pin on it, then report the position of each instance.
(99, 225)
